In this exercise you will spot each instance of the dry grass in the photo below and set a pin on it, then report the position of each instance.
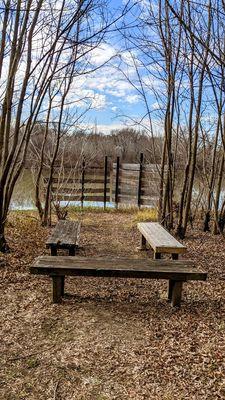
(146, 215)
(110, 338)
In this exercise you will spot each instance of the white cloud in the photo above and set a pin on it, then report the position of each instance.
(102, 54)
(156, 106)
(134, 98)
(103, 128)
(99, 101)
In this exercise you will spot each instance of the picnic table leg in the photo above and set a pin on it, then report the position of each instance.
(177, 293)
(72, 251)
(56, 289)
(143, 243)
(170, 289)
(157, 256)
(171, 282)
(53, 251)
(62, 285)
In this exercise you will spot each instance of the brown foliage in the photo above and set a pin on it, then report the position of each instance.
(110, 338)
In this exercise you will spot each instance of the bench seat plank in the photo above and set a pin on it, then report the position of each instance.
(64, 235)
(108, 267)
(160, 239)
(176, 272)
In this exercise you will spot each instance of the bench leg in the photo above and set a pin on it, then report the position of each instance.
(57, 289)
(72, 251)
(175, 256)
(143, 243)
(176, 293)
(170, 289)
(62, 285)
(53, 251)
(157, 256)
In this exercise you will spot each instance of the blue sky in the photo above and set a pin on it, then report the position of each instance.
(117, 102)
(116, 99)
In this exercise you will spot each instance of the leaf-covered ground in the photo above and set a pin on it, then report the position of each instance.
(110, 338)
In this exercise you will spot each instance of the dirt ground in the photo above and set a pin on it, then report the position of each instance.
(110, 338)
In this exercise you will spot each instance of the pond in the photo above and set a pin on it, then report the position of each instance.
(24, 195)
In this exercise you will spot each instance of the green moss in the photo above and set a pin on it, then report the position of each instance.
(32, 363)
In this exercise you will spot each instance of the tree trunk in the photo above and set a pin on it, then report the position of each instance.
(4, 248)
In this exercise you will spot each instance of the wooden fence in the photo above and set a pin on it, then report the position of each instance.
(118, 183)
(135, 184)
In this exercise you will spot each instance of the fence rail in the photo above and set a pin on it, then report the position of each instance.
(119, 183)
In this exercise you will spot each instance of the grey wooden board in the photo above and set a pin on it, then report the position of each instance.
(133, 200)
(87, 185)
(136, 167)
(91, 192)
(74, 197)
(66, 233)
(77, 183)
(160, 239)
(118, 267)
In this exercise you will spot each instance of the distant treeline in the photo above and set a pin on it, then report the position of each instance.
(127, 143)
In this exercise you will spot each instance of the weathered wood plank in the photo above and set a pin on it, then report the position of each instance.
(76, 167)
(73, 190)
(147, 176)
(125, 190)
(77, 186)
(128, 183)
(129, 200)
(128, 167)
(91, 178)
(124, 268)
(72, 197)
(65, 234)
(132, 200)
(128, 174)
(159, 239)
(136, 167)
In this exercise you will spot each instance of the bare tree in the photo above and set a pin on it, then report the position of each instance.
(39, 44)
(178, 56)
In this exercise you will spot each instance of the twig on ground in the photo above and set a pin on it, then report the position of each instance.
(28, 355)
(55, 390)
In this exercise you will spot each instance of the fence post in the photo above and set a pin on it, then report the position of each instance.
(140, 179)
(105, 180)
(82, 184)
(117, 181)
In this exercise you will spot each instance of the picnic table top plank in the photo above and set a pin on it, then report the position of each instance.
(160, 239)
(65, 233)
(121, 267)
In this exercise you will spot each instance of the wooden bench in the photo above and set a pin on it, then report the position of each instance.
(176, 272)
(64, 236)
(160, 240)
